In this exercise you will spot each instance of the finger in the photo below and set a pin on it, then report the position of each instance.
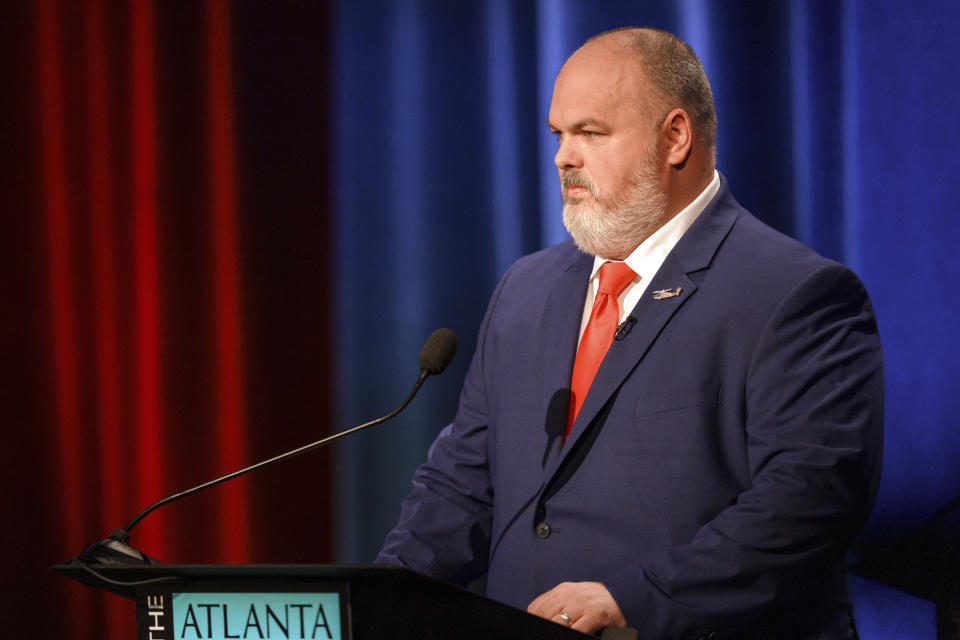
(586, 624)
(536, 607)
(591, 622)
(549, 610)
(546, 605)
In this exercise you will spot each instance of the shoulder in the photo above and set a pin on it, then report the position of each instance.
(534, 275)
(748, 272)
(753, 254)
(547, 262)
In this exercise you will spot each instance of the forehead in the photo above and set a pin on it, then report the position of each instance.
(598, 82)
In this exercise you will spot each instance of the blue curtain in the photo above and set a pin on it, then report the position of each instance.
(838, 125)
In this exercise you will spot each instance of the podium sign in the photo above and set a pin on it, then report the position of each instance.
(230, 611)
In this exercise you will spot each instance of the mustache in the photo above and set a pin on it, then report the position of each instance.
(574, 178)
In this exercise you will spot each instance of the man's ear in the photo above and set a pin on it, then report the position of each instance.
(677, 132)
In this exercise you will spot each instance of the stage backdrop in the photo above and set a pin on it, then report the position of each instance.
(229, 226)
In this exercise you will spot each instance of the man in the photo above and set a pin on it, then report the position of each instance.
(699, 464)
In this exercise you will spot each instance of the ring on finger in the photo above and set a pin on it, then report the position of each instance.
(566, 618)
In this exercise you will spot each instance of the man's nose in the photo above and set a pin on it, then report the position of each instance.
(568, 157)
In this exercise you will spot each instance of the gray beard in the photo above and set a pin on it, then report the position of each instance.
(613, 230)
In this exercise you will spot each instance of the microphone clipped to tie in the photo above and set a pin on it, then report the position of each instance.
(624, 328)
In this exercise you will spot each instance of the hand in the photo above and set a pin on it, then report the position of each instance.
(588, 605)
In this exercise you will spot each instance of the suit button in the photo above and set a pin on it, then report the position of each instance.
(543, 531)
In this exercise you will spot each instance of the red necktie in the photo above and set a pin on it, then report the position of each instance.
(597, 337)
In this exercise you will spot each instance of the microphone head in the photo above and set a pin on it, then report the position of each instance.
(438, 351)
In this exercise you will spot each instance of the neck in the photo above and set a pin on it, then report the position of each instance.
(684, 184)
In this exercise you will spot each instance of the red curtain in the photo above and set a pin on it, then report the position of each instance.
(166, 270)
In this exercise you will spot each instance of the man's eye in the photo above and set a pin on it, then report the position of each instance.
(590, 134)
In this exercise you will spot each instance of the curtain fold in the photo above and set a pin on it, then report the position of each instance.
(165, 322)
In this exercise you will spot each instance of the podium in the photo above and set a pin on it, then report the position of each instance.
(296, 602)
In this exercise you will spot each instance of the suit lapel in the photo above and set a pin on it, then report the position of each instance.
(558, 344)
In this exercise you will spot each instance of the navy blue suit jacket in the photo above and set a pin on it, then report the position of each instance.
(724, 459)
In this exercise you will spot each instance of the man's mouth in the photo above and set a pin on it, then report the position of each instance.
(575, 188)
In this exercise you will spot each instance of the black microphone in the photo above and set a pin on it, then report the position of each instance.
(438, 351)
(436, 354)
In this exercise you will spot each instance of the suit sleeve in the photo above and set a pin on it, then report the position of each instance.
(813, 429)
(445, 522)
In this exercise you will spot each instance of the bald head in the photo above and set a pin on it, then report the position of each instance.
(676, 77)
